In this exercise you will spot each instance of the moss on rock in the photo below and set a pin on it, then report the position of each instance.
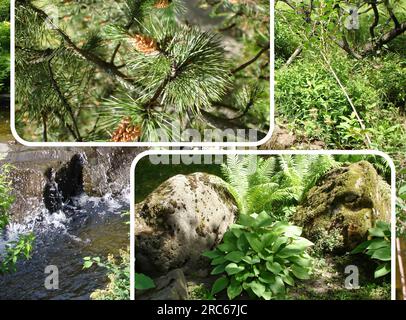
(346, 201)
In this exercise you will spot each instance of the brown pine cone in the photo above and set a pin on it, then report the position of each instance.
(144, 44)
(126, 132)
(161, 4)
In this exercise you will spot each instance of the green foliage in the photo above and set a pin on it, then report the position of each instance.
(6, 197)
(200, 292)
(309, 98)
(22, 247)
(274, 184)
(118, 272)
(4, 10)
(15, 250)
(143, 282)
(4, 54)
(378, 247)
(261, 257)
(112, 61)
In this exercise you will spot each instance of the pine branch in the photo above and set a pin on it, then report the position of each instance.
(251, 61)
(64, 101)
(98, 62)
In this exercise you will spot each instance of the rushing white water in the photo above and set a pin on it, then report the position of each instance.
(87, 226)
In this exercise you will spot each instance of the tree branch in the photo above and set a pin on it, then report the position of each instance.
(65, 102)
(101, 64)
(386, 38)
(376, 19)
(246, 64)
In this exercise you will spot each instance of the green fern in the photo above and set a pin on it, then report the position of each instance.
(273, 184)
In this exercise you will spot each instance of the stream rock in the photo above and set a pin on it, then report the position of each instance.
(95, 171)
(182, 218)
(344, 204)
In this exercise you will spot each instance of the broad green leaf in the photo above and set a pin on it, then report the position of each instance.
(218, 261)
(243, 244)
(290, 250)
(234, 256)
(267, 295)
(382, 254)
(382, 270)
(279, 242)
(300, 273)
(376, 232)
(254, 242)
(211, 254)
(219, 285)
(300, 261)
(251, 260)
(243, 276)
(274, 267)
(263, 220)
(227, 247)
(257, 287)
(361, 247)
(234, 289)
(143, 282)
(287, 229)
(288, 279)
(378, 243)
(233, 268)
(278, 287)
(266, 277)
(246, 220)
(219, 269)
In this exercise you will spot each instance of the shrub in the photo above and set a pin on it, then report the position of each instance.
(118, 272)
(260, 256)
(378, 248)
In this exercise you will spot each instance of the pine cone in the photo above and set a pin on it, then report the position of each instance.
(126, 132)
(161, 4)
(144, 44)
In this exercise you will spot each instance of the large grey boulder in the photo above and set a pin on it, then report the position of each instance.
(182, 218)
(344, 204)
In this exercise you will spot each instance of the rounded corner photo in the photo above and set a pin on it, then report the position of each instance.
(153, 72)
(263, 225)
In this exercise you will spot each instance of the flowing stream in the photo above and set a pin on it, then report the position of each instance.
(88, 225)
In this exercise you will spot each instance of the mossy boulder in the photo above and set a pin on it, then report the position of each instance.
(337, 213)
(182, 218)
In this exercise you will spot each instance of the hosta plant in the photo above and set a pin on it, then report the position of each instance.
(261, 257)
(378, 247)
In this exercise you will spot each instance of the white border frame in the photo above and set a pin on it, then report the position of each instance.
(263, 152)
(141, 144)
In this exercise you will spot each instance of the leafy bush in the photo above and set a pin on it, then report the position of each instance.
(15, 250)
(260, 256)
(23, 246)
(378, 247)
(6, 198)
(118, 272)
(4, 10)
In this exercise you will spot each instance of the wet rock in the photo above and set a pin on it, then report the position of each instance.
(183, 217)
(172, 286)
(105, 170)
(343, 205)
(108, 170)
(69, 177)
